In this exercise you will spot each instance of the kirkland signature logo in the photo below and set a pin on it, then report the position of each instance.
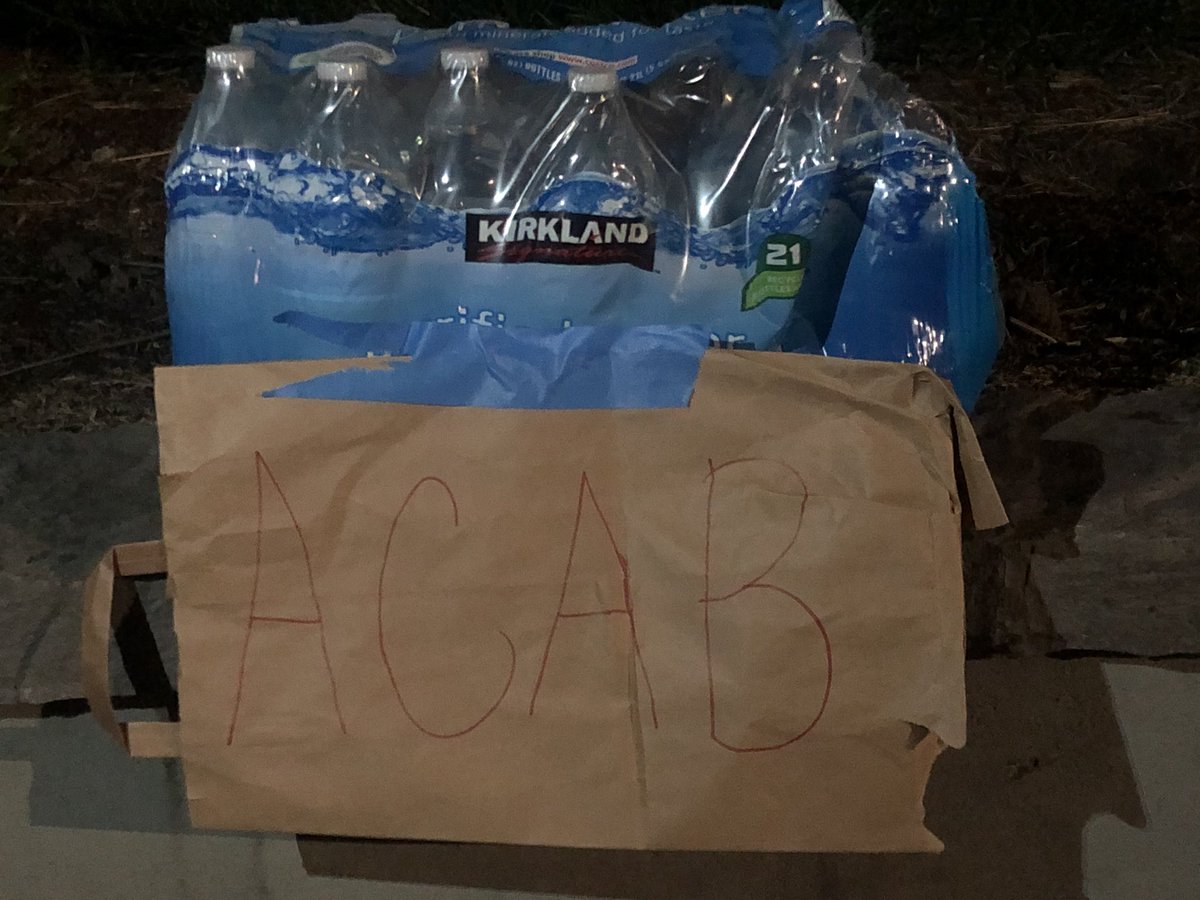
(571, 239)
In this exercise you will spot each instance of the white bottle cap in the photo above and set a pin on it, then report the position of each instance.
(342, 70)
(465, 58)
(592, 81)
(230, 56)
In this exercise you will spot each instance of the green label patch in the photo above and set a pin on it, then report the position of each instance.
(782, 259)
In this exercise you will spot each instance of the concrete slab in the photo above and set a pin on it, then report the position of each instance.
(64, 499)
(1158, 711)
(1130, 582)
(79, 821)
(1045, 486)
(1045, 802)
(1103, 549)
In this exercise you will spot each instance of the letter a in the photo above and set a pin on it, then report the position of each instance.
(269, 574)
(625, 609)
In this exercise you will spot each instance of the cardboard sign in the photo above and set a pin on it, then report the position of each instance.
(735, 625)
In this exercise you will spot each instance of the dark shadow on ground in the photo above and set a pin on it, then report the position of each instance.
(1045, 486)
(1045, 754)
(82, 779)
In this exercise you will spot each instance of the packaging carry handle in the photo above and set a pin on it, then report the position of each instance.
(109, 587)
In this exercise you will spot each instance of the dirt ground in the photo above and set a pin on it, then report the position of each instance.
(81, 233)
(1092, 183)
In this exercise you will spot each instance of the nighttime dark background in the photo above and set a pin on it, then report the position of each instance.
(1081, 119)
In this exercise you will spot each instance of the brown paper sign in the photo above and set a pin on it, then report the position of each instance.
(736, 625)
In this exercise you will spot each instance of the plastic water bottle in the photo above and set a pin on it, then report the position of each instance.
(752, 144)
(760, 140)
(465, 133)
(668, 108)
(728, 151)
(350, 125)
(590, 157)
(218, 181)
(232, 110)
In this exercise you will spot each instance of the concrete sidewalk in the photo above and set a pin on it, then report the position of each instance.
(1081, 778)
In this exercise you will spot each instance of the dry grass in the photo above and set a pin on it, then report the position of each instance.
(81, 226)
(1093, 191)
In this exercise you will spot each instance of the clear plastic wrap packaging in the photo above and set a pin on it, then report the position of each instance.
(740, 169)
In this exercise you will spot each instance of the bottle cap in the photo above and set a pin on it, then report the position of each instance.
(230, 56)
(465, 58)
(592, 81)
(342, 70)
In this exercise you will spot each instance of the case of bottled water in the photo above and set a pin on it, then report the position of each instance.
(742, 169)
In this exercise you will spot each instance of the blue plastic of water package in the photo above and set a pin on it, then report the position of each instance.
(735, 170)
(585, 367)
